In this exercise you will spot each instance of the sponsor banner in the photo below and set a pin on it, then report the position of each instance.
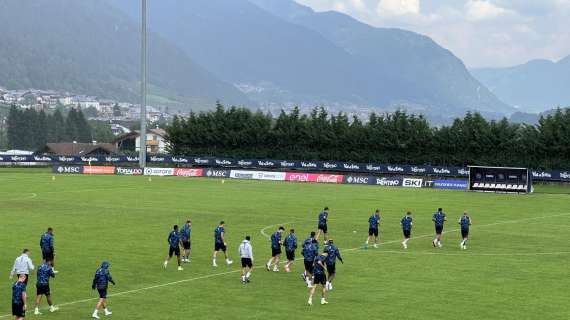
(314, 177)
(258, 175)
(451, 184)
(98, 170)
(159, 171)
(427, 184)
(216, 173)
(412, 183)
(63, 169)
(129, 171)
(202, 161)
(359, 180)
(186, 172)
(224, 162)
(181, 160)
(388, 181)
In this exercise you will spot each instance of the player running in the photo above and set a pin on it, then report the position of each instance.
(45, 272)
(246, 255)
(465, 222)
(406, 223)
(439, 220)
(174, 247)
(220, 244)
(319, 267)
(48, 250)
(19, 298)
(101, 283)
(290, 244)
(374, 222)
(333, 254)
(185, 234)
(276, 243)
(310, 251)
(322, 225)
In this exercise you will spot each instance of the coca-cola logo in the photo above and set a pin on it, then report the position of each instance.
(351, 166)
(395, 169)
(327, 178)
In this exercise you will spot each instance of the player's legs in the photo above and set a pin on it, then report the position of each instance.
(268, 265)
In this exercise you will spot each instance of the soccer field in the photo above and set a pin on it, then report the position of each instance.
(517, 265)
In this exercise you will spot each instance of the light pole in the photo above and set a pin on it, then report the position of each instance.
(142, 151)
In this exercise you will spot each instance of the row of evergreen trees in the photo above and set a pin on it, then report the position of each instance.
(30, 130)
(389, 138)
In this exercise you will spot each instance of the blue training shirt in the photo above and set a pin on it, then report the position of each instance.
(17, 289)
(317, 267)
(185, 233)
(174, 239)
(334, 253)
(323, 216)
(46, 242)
(439, 218)
(290, 242)
(465, 222)
(406, 223)
(374, 220)
(102, 277)
(310, 249)
(218, 234)
(275, 240)
(44, 273)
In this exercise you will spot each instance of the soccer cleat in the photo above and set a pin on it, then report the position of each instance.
(323, 301)
(304, 277)
(330, 286)
(180, 268)
(433, 242)
(165, 264)
(376, 246)
(439, 244)
(108, 313)
(229, 262)
(53, 309)
(310, 302)
(55, 271)
(275, 269)
(267, 266)
(243, 280)
(37, 312)
(95, 316)
(404, 245)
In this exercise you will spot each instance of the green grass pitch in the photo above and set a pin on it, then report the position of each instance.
(517, 265)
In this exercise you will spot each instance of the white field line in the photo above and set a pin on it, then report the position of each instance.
(264, 234)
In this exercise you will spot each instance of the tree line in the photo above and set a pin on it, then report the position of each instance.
(28, 129)
(397, 138)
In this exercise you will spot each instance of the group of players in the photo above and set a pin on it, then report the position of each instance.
(319, 268)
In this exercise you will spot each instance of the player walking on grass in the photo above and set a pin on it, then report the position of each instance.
(374, 222)
(174, 247)
(333, 254)
(185, 237)
(322, 225)
(19, 298)
(276, 243)
(406, 223)
(23, 266)
(101, 283)
(220, 244)
(439, 220)
(465, 222)
(290, 244)
(45, 272)
(310, 251)
(246, 255)
(48, 250)
(319, 267)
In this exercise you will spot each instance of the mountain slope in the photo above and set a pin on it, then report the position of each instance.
(534, 86)
(282, 52)
(89, 47)
(407, 64)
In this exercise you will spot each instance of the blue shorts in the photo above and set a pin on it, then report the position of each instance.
(102, 293)
(323, 227)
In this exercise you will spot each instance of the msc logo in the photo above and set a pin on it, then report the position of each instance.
(217, 173)
(68, 169)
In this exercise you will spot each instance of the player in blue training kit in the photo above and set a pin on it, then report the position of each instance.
(47, 246)
(290, 244)
(465, 222)
(374, 222)
(333, 254)
(220, 244)
(276, 243)
(174, 247)
(19, 298)
(310, 251)
(320, 278)
(439, 220)
(185, 234)
(322, 225)
(406, 223)
(101, 283)
(45, 272)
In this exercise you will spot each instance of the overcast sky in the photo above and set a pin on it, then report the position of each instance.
(481, 32)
